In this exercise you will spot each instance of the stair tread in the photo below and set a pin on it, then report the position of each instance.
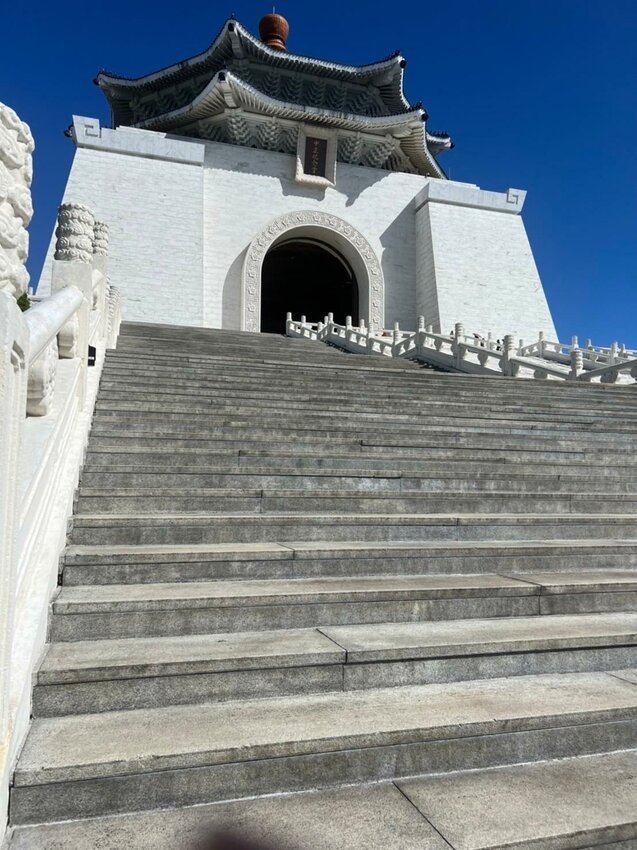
(482, 518)
(281, 591)
(447, 495)
(94, 660)
(552, 804)
(566, 803)
(383, 641)
(83, 661)
(371, 817)
(76, 553)
(88, 746)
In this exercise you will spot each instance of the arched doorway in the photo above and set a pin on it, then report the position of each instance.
(330, 232)
(306, 278)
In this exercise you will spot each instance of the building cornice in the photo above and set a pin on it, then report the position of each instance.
(226, 91)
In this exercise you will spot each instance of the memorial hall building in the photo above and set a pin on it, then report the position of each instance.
(331, 542)
(248, 181)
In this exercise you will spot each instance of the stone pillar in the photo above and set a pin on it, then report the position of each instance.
(73, 266)
(16, 171)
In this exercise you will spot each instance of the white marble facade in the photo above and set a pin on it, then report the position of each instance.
(185, 213)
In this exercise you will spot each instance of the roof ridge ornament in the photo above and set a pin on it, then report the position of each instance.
(274, 30)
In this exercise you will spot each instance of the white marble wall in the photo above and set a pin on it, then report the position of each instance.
(150, 191)
(475, 264)
(183, 212)
(246, 188)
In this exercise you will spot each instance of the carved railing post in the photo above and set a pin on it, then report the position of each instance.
(457, 348)
(507, 366)
(577, 363)
(99, 277)
(74, 234)
(73, 266)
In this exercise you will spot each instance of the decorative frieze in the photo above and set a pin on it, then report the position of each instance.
(16, 210)
(74, 234)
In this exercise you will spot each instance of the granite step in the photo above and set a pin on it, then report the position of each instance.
(579, 802)
(195, 390)
(114, 529)
(173, 608)
(208, 424)
(359, 456)
(234, 477)
(112, 611)
(82, 765)
(110, 675)
(584, 802)
(125, 413)
(168, 500)
(299, 370)
(161, 437)
(164, 460)
(351, 413)
(89, 565)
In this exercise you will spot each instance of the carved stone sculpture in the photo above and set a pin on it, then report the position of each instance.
(16, 210)
(74, 234)
(100, 238)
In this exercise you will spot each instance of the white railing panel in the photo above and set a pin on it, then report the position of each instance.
(473, 354)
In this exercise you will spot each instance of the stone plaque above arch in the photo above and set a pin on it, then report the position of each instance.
(331, 230)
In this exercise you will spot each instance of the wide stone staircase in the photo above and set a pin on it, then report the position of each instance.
(334, 601)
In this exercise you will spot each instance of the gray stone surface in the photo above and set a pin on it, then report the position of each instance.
(223, 593)
(292, 569)
(85, 661)
(551, 806)
(373, 817)
(388, 641)
(72, 748)
(597, 581)
(628, 675)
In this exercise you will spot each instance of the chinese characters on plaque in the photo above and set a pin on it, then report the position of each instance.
(315, 157)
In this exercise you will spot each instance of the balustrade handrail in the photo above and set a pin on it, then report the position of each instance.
(48, 388)
(461, 352)
(48, 317)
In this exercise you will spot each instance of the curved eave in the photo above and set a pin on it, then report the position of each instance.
(227, 91)
(235, 41)
(439, 142)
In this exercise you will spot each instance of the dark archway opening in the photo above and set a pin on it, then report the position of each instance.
(308, 279)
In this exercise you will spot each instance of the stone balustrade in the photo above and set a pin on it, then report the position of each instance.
(16, 170)
(47, 395)
(473, 354)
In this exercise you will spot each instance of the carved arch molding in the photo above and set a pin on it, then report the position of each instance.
(334, 232)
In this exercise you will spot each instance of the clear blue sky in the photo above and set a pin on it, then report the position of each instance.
(537, 95)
